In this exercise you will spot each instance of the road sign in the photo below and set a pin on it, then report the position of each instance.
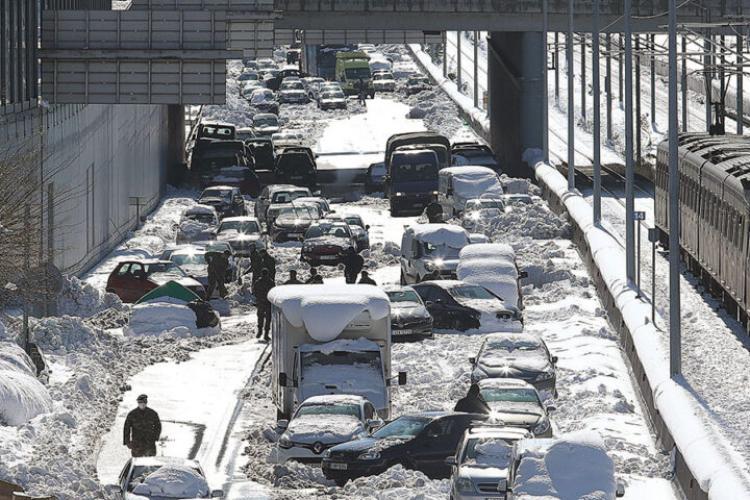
(637, 215)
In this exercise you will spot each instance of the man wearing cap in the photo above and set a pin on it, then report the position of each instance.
(142, 429)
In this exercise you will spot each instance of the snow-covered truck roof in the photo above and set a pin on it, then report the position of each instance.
(440, 234)
(488, 250)
(474, 181)
(324, 311)
(496, 274)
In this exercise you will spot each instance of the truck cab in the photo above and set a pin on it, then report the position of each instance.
(351, 67)
(331, 339)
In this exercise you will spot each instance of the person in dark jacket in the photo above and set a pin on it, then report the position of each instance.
(218, 263)
(366, 280)
(315, 278)
(361, 91)
(353, 264)
(142, 429)
(473, 402)
(434, 212)
(269, 263)
(293, 280)
(261, 287)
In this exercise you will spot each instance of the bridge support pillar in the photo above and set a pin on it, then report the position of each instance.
(175, 143)
(516, 72)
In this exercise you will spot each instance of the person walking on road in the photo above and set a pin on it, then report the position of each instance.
(353, 264)
(315, 278)
(293, 278)
(142, 429)
(268, 262)
(261, 287)
(366, 280)
(473, 402)
(362, 88)
(218, 263)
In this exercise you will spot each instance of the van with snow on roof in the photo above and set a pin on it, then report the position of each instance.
(331, 339)
(457, 185)
(493, 266)
(430, 251)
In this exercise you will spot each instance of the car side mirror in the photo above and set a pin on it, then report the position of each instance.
(554, 360)
(283, 379)
(373, 424)
(451, 461)
(217, 493)
(523, 275)
(438, 301)
(282, 424)
(401, 378)
(428, 303)
(472, 360)
(620, 491)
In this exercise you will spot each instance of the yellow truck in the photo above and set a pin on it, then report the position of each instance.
(351, 67)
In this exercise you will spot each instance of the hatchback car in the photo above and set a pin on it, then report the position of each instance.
(420, 441)
(409, 317)
(321, 422)
(292, 222)
(183, 475)
(327, 242)
(458, 305)
(265, 124)
(227, 200)
(519, 356)
(132, 279)
(293, 92)
(243, 234)
(516, 402)
(479, 213)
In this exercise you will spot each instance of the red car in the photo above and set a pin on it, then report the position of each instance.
(327, 242)
(132, 279)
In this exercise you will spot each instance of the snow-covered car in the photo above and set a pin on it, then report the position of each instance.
(517, 403)
(519, 356)
(416, 84)
(266, 64)
(572, 466)
(332, 99)
(293, 92)
(227, 200)
(197, 223)
(163, 478)
(383, 81)
(277, 194)
(192, 260)
(244, 134)
(493, 266)
(242, 234)
(480, 466)
(321, 422)
(326, 242)
(429, 251)
(360, 231)
(479, 213)
(474, 153)
(249, 87)
(265, 124)
(132, 279)
(409, 317)
(287, 138)
(292, 222)
(264, 101)
(457, 185)
(324, 208)
(312, 84)
(457, 305)
(248, 75)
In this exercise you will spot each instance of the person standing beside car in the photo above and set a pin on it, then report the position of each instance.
(218, 263)
(353, 264)
(261, 288)
(142, 429)
(473, 402)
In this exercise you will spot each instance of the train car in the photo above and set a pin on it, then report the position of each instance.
(714, 211)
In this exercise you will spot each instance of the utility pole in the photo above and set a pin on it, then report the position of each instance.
(543, 81)
(619, 68)
(597, 117)
(684, 85)
(557, 67)
(638, 149)
(653, 78)
(707, 78)
(476, 69)
(675, 335)
(608, 87)
(459, 73)
(571, 99)
(583, 76)
(445, 54)
(629, 168)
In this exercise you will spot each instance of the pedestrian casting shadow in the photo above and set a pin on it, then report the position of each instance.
(181, 439)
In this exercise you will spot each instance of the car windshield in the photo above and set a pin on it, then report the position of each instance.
(357, 73)
(488, 452)
(224, 194)
(164, 268)
(296, 215)
(354, 221)
(288, 196)
(383, 76)
(402, 427)
(265, 121)
(202, 218)
(471, 292)
(338, 230)
(510, 395)
(404, 296)
(513, 345)
(415, 172)
(188, 259)
(443, 250)
(329, 409)
(292, 86)
(344, 372)
(485, 204)
(241, 226)
(334, 94)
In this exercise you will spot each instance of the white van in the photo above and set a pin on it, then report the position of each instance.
(431, 250)
(457, 185)
(331, 339)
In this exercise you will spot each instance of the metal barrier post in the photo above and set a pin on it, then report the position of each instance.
(675, 334)
(629, 167)
(597, 117)
(571, 99)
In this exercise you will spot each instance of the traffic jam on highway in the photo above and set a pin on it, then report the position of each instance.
(424, 328)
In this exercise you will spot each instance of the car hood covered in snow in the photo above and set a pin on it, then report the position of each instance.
(172, 482)
(323, 241)
(326, 429)
(514, 365)
(401, 311)
(234, 235)
(516, 414)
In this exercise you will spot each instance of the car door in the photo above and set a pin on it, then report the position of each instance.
(433, 445)
(137, 282)
(444, 308)
(428, 295)
(116, 281)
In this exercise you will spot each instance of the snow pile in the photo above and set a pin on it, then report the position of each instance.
(498, 275)
(79, 298)
(22, 396)
(155, 319)
(173, 482)
(63, 335)
(397, 483)
(533, 220)
(326, 310)
(324, 428)
(449, 235)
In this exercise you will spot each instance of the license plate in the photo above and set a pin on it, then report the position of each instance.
(328, 257)
(403, 332)
(337, 466)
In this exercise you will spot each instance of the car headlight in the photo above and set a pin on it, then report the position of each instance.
(541, 427)
(285, 442)
(369, 455)
(464, 485)
(327, 453)
(399, 193)
(544, 376)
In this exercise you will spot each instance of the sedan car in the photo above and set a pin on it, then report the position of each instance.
(474, 153)
(264, 101)
(419, 441)
(277, 194)
(197, 223)
(327, 242)
(332, 99)
(243, 234)
(481, 212)
(458, 305)
(265, 124)
(292, 222)
(321, 422)
(480, 466)
(227, 200)
(383, 81)
(293, 92)
(147, 477)
(516, 402)
(410, 319)
(519, 356)
(416, 84)
(360, 231)
(132, 279)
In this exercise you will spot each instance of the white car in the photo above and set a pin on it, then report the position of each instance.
(197, 223)
(293, 92)
(482, 212)
(160, 478)
(265, 124)
(480, 466)
(332, 99)
(242, 234)
(383, 81)
(322, 422)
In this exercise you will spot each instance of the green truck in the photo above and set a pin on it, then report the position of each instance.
(351, 67)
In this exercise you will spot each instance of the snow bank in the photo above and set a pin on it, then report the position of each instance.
(63, 335)
(441, 234)
(22, 396)
(173, 482)
(716, 466)
(325, 310)
(154, 319)
(79, 298)
(13, 358)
